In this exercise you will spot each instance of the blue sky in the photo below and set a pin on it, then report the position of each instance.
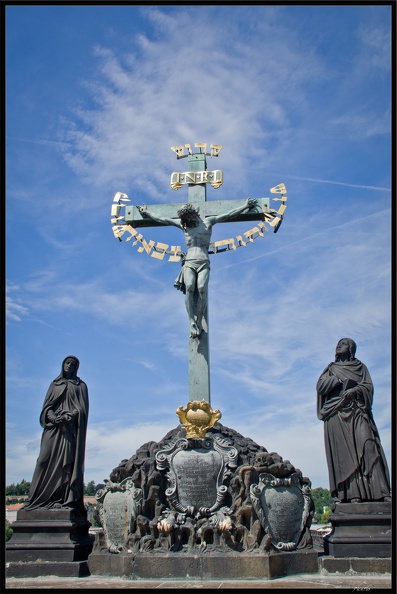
(96, 96)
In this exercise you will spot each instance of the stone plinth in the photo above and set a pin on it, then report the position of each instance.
(354, 565)
(360, 530)
(37, 569)
(237, 566)
(56, 538)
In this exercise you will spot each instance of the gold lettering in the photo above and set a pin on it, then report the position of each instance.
(262, 227)
(179, 150)
(147, 247)
(115, 210)
(279, 189)
(133, 233)
(160, 250)
(175, 182)
(252, 234)
(201, 145)
(175, 251)
(138, 237)
(215, 178)
(119, 230)
(215, 149)
(274, 221)
(218, 178)
(227, 242)
(120, 196)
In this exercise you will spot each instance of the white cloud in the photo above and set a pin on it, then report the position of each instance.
(361, 124)
(14, 310)
(234, 99)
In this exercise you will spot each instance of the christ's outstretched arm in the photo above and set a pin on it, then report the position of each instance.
(158, 218)
(226, 216)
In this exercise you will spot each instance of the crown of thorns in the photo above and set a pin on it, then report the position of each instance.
(186, 210)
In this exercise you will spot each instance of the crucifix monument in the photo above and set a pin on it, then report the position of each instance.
(204, 487)
(196, 219)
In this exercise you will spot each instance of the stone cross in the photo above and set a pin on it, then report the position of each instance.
(197, 237)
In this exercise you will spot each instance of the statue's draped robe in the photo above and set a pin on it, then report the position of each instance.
(356, 461)
(58, 479)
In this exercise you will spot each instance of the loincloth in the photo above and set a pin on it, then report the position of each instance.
(196, 265)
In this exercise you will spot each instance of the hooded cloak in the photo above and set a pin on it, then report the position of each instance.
(356, 462)
(58, 480)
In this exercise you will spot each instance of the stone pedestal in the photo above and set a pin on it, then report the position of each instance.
(354, 565)
(49, 542)
(360, 530)
(216, 506)
(236, 566)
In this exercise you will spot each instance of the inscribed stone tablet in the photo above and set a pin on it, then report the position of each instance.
(197, 474)
(284, 508)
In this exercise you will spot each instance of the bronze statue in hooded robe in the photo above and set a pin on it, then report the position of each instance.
(58, 480)
(357, 465)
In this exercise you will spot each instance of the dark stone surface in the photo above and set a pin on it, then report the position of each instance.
(218, 516)
(56, 535)
(196, 474)
(197, 471)
(353, 565)
(44, 568)
(58, 479)
(356, 461)
(284, 508)
(360, 530)
(204, 566)
(118, 505)
(106, 563)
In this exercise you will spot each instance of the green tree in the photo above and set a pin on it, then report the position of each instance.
(324, 518)
(24, 487)
(9, 530)
(10, 490)
(90, 489)
(21, 488)
(321, 499)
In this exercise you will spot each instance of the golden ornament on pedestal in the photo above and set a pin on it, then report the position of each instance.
(197, 417)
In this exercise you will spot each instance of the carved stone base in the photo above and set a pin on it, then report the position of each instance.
(205, 566)
(354, 565)
(360, 530)
(49, 535)
(42, 568)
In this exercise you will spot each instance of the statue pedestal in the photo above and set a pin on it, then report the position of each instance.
(48, 542)
(212, 507)
(211, 565)
(360, 530)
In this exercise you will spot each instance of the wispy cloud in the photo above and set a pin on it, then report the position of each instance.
(14, 310)
(232, 102)
(328, 181)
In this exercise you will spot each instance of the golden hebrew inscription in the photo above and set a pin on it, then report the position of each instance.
(159, 250)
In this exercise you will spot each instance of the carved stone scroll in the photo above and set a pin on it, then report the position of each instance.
(118, 504)
(283, 508)
(196, 472)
